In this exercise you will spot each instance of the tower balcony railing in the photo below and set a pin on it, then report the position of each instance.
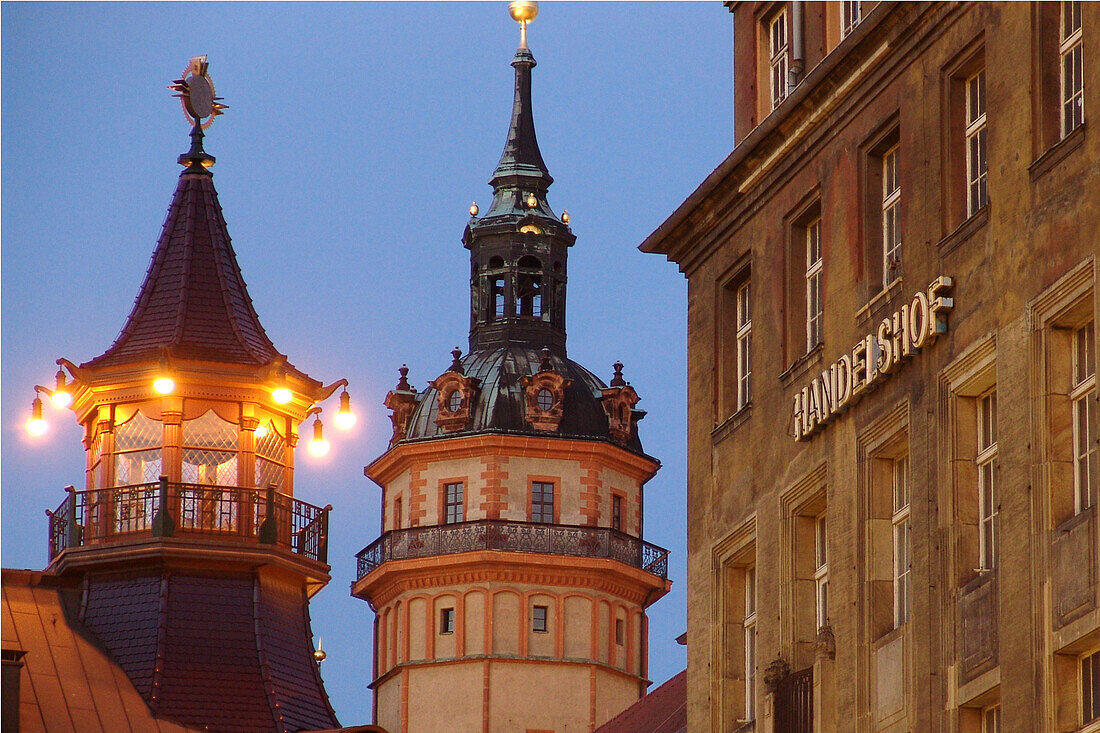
(487, 534)
(164, 509)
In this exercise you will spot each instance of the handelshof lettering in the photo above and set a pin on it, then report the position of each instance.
(898, 337)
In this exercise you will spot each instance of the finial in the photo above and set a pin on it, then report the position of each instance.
(456, 364)
(565, 216)
(523, 12)
(532, 201)
(201, 105)
(617, 380)
(403, 383)
(545, 365)
(474, 209)
(319, 654)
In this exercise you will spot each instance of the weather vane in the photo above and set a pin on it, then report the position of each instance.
(195, 89)
(523, 12)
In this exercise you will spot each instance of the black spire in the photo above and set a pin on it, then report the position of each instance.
(518, 248)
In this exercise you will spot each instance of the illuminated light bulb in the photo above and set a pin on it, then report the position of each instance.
(282, 395)
(261, 431)
(61, 395)
(37, 425)
(318, 446)
(345, 418)
(164, 385)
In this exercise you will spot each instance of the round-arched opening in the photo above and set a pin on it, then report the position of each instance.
(454, 401)
(529, 262)
(496, 261)
(545, 399)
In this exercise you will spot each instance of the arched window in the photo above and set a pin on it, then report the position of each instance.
(496, 298)
(529, 288)
(137, 450)
(210, 451)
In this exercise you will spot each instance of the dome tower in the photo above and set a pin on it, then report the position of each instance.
(510, 581)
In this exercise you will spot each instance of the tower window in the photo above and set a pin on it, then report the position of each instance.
(496, 297)
(617, 512)
(452, 503)
(620, 632)
(538, 618)
(546, 400)
(529, 288)
(446, 620)
(454, 401)
(542, 502)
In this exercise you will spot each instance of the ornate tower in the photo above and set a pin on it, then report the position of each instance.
(194, 559)
(511, 580)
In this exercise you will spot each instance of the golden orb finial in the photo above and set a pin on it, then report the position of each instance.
(565, 216)
(474, 209)
(523, 12)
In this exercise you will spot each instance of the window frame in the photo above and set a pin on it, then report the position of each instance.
(986, 462)
(1084, 409)
(749, 627)
(743, 340)
(1070, 48)
(778, 61)
(617, 512)
(447, 620)
(454, 498)
(538, 619)
(849, 19)
(891, 214)
(539, 505)
(975, 147)
(991, 718)
(821, 570)
(815, 296)
(1091, 659)
(901, 533)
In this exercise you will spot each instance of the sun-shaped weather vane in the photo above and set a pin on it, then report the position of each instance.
(195, 89)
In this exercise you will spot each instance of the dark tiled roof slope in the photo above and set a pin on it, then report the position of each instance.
(662, 711)
(501, 402)
(193, 302)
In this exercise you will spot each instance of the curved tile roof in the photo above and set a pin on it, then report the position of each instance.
(500, 403)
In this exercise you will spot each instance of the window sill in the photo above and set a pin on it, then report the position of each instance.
(964, 231)
(1057, 153)
(731, 423)
(890, 636)
(878, 303)
(1082, 517)
(801, 365)
(981, 578)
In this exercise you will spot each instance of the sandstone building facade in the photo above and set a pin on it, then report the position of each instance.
(892, 468)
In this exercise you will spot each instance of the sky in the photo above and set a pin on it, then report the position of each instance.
(356, 137)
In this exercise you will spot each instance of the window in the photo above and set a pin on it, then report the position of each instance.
(891, 216)
(538, 618)
(1070, 51)
(814, 307)
(617, 512)
(397, 513)
(821, 572)
(452, 503)
(744, 345)
(991, 719)
(620, 632)
(529, 288)
(210, 451)
(902, 542)
(542, 502)
(545, 399)
(270, 451)
(137, 450)
(987, 491)
(749, 626)
(446, 620)
(454, 401)
(977, 164)
(1090, 687)
(1086, 466)
(777, 46)
(851, 13)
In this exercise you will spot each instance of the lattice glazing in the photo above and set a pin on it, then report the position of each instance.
(137, 467)
(209, 467)
(138, 432)
(267, 473)
(210, 431)
(271, 446)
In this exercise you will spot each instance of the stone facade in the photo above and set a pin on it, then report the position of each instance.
(886, 536)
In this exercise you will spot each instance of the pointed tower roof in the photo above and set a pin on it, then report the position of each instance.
(521, 156)
(193, 303)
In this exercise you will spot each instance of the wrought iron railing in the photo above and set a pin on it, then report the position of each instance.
(164, 509)
(794, 702)
(547, 539)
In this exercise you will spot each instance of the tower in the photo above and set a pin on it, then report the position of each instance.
(511, 579)
(192, 559)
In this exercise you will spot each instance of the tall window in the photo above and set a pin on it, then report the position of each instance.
(902, 546)
(446, 620)
(452, 503)
(744, 346)
(777, 45)
(617, 512)
(891, 216)
(542, 502)
(991, 719)
(137, 450)
(821, 571)
(1071, 50)
(987, 490)
(851, 13)
(749, 625)
(538, 618)
(210, 451)
(1086, 456)
(270, 452)
(814, 306)
(977, 165)
(1090, 687)
(397, 513)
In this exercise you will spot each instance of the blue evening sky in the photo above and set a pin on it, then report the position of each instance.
(357, 136)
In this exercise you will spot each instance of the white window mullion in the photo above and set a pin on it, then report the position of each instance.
(1071, 57)
(902, 541)
(891, 217)
(977, 164)
(1086, 454)
(814, 299)
(777, 46)
(744, 345)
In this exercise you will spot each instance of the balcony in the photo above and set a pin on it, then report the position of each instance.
(545, 539)
(162, 509)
